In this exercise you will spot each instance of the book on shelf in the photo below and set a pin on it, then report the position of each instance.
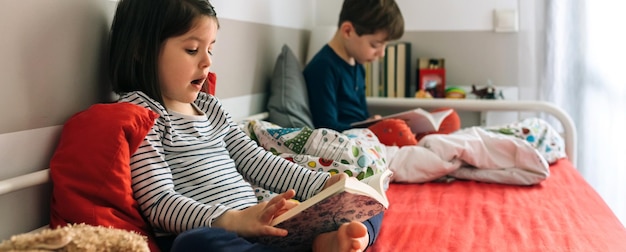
(345, 201)
(403, 70)
(376, 75)
(391, 75)
(419, 120)
(368, 78)
(390, 71)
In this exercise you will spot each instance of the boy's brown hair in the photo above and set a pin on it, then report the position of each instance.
(371, 16)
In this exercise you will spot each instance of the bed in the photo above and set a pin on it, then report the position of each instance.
(562, 213)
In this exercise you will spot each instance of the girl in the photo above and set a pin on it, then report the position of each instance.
(191, 175)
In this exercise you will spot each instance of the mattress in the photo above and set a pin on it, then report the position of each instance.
(563, 213)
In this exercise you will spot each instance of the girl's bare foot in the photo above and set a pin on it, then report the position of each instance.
(350, 237)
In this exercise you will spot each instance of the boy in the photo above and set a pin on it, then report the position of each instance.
(335, 76)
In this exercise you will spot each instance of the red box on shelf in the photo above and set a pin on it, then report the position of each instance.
(433, 81)
(431, 76)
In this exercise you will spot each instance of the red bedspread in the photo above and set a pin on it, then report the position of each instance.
(563, 213)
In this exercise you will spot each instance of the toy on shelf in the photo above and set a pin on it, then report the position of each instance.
(455, 93)
(431, 76)
(488, 92)
(423, 94)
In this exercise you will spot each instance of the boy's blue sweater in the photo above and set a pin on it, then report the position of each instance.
(336, 91)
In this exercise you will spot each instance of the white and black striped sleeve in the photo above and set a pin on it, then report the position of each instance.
(154, 191)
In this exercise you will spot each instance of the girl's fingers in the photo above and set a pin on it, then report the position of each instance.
(288, 205)
(272, 209)
(278, 205)
(283, 196)
(274, 231)
(288, 194)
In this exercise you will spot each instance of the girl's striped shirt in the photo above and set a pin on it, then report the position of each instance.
(191, 169)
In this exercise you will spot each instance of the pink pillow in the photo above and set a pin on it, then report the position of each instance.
(90, 169)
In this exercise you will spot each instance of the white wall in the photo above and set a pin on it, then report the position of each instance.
(286, 13)
(419, 15)
(431, 15)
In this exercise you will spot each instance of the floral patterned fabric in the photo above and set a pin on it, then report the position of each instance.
(539, 133)
(356, 152)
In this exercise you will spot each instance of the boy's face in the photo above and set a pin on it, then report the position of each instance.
(367, 47)
(184, 63)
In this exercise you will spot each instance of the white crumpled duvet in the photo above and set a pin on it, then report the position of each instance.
(473, 154)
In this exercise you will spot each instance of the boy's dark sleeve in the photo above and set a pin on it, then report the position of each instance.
(321, 82)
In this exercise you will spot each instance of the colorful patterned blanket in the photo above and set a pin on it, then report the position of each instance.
(516, 153)
(356, 152)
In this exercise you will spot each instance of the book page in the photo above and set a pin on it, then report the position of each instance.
(424, 121)
(379, 181)
(418, 120)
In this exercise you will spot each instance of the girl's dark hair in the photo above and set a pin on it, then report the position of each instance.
(371, 16)
(138, 31)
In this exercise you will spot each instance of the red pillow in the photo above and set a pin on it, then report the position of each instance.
(393, 132)
(90, 168)
(209, 85)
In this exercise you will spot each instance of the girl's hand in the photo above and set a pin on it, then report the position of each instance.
(255, 220)
(334, 179)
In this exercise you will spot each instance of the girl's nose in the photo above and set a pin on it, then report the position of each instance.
(206, 60)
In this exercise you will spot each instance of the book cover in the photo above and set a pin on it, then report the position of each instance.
(345, 201)
(419, 120)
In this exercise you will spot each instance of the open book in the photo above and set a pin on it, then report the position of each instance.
(344, 201)
(419, 120)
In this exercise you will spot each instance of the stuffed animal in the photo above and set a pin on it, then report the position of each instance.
(79, 238)
(488, 92)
